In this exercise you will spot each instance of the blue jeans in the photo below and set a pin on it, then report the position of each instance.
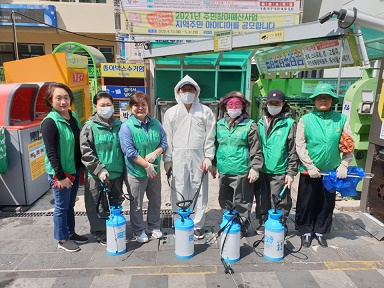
(64, 213)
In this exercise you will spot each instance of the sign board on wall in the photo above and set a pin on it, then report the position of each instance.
(201, 23)
(122, 70)
(123, 91)
(309, 56)
(42, 13)
(266, 6)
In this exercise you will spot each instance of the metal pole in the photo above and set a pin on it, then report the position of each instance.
(14, 36)
(366, 63)
(340, 67)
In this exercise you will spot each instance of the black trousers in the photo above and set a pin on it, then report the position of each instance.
(314, 208)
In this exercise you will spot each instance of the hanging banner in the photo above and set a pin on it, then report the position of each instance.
(309, 56)
(257, 6)
(201, 23)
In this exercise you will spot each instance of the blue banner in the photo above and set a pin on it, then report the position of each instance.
(37, 15)
(123, 91)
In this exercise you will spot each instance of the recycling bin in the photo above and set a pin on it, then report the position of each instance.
(26, 179)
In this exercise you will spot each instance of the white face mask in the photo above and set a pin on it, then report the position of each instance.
(233, 113)
(274, 110)
(105, 112)
(187, 97)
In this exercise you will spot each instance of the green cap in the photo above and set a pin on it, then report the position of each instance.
(325, 89)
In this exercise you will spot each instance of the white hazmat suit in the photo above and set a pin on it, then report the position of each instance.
(191, 139)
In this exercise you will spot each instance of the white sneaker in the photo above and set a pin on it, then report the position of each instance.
(143, 238)
(157, 234)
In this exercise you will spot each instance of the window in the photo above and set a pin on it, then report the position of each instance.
(25, 51)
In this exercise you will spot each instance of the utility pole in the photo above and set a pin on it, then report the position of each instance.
(14, 35)
(117, 11)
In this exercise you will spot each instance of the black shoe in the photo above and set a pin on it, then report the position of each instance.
(306, 240)
(78, 239)
(322, 241)
(199, 234)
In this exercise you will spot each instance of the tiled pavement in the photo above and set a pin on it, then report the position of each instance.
(29, 257)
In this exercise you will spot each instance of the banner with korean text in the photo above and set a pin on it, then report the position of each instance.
(310, 56)
(202, 23)
(256, 6)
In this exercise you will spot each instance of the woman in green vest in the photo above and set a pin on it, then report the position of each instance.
(238, 156)
(143, 140)
(317, 144)
(104, 162)
(277, 133)
(61, 130)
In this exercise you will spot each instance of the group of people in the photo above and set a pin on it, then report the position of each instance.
(253, 160)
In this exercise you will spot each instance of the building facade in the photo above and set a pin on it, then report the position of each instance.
(93, 21)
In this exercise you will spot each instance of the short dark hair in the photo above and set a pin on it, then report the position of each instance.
(137, 97)
(101, 94)
(49, 93)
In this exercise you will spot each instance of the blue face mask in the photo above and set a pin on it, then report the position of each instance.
(274, 110)
(233, 113)
(105, 112)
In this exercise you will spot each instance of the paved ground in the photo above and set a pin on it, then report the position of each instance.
(29, 256)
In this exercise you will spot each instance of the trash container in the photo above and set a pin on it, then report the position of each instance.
(26, 180)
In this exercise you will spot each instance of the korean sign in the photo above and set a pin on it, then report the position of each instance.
(43, 13)
(123, 91)
(307, 56)
(122, 70)
(202, 23)
(266, 6)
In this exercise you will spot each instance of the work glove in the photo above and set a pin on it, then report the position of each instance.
(314, 172)
(214, 172)
(151, 157)
(288, 180)
(207, 165)
(151, 172)
(103, 175)
(253, 175)
(168, 166)
(342, 171)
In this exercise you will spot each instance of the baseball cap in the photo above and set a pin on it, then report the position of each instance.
(276, 95)
(327, 89)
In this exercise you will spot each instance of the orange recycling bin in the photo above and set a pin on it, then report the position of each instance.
(25, 180)
(69, 69)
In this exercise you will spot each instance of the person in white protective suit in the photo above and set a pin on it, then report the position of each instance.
(190, 128)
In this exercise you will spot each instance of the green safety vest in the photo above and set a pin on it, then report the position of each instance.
(107, 145)
(233, 152)
(274, 148)
(66, 148)
(145, 143)
(322, 131)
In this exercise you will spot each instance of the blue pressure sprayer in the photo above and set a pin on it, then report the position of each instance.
(115, 225)
(184, 242)
(230, 234)
(274, 231)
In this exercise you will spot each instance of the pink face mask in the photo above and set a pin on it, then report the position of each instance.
(234, 103)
